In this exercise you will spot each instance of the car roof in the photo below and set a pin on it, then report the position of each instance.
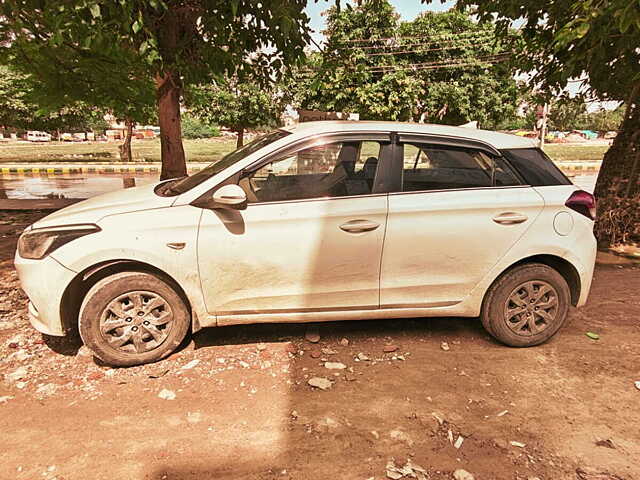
(495, 139)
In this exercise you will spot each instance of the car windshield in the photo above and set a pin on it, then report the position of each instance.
(185, 184)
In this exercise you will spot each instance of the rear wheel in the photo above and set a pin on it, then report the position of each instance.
(526, 306)
(131, 318)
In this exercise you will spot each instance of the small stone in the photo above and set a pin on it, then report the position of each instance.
(84, 354)
(20, 356)
(328, 351)
(335, 365)
(312, 335)
(445, 346)
(315, 354)
(461, 474)
(502, 444)
(502, 413)
(190, 365)
(401, 436)
(5, 398)
(389, 348)
(320, 382)
(518, 444)
(344, 342)
(167, 394)
(260, 347)
(375, 435)
(46, 389)
(637, 384)
(362, 357)
(459, 441)
(17, 374)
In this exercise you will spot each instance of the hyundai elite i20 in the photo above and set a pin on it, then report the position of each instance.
(322, 221)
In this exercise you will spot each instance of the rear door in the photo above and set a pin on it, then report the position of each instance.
(455, 213)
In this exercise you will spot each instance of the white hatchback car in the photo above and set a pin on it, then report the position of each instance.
(322, 221)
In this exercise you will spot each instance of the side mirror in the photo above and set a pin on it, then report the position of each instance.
(230, 196)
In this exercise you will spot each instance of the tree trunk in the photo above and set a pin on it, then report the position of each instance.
(125, 148)
(168, 90)
(240, 141)
(618, 185)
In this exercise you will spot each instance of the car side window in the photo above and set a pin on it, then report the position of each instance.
(338, 169)
(430, 167)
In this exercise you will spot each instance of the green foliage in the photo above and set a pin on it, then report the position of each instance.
(236, 105)
(437, 68)
(570, 113)
(567, 113)
(20, 110)
(563, 39)
(193, 128)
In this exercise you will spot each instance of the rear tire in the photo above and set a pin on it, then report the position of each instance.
(132, 318)
(526, 306)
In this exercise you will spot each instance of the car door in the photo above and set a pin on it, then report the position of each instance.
(311, 237)
(457, 211)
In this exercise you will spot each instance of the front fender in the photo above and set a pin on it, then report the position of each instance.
(144, 237)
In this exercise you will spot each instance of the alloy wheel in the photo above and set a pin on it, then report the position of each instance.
(531, 308)
(136, 322)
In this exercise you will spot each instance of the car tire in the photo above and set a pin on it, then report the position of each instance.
(132, 318)
(526, 306)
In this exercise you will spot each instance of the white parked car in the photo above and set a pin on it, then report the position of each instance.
(35, 136)
(323, 221)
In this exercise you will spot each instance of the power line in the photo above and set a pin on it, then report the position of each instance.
(413, 37)
(453, 44)
(478, 61)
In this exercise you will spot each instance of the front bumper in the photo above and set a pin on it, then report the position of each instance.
(44, 281)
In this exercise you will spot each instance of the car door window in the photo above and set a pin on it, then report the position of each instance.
(428, 167)
(337, 169)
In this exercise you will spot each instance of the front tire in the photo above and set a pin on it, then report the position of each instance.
(132, 318)
(526, 306)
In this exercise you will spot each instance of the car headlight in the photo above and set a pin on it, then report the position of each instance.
(40, 242)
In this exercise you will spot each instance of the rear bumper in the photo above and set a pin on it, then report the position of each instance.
(44, 281)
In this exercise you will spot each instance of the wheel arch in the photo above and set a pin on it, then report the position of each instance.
(561, 265)
(77, 289)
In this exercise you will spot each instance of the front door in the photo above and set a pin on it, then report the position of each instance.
(457, 214)
(310, 239)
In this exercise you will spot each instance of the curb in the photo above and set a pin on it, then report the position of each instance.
(86, 169)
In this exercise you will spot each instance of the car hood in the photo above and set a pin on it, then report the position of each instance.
(112, 203)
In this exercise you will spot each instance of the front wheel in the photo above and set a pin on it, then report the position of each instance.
(131, 318)
(526, 306)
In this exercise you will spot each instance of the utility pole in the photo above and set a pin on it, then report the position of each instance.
(542, 122)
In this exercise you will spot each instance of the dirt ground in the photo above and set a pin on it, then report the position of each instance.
(236, 403)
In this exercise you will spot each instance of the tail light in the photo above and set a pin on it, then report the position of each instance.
(583, 203)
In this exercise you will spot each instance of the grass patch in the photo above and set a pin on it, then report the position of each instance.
(563, 152)
(208, 150)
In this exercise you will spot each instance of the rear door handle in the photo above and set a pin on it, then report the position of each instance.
(359, 226)
(510, 218)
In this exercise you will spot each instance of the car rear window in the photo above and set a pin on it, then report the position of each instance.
(535, 167)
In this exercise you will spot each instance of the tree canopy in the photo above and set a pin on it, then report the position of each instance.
(128, 54)
(237, 105)
(441, 67)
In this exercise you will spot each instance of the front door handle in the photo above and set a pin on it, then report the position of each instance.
(359, 226)
(510, 218)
